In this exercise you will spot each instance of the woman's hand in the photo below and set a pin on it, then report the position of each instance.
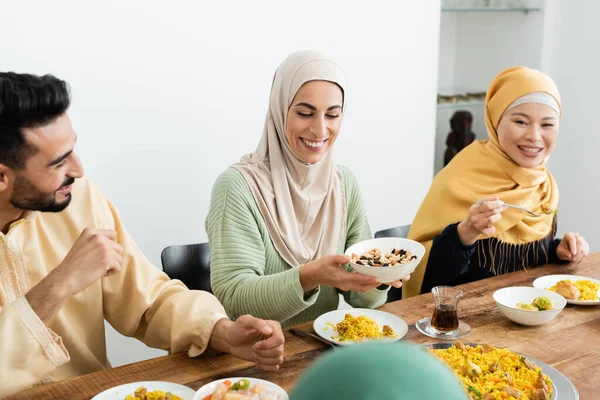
(480, 221)
(329, 270)
(398, 284)
(573, 247)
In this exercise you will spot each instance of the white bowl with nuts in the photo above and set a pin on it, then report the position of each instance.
(387, 259)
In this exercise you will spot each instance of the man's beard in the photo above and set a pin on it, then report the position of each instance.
(26, 197)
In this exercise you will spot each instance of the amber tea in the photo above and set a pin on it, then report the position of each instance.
(445, 315)
(445, 318)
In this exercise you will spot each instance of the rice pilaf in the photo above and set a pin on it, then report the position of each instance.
(587, 288)
(488, 373)
(143, 394)
(360, 328)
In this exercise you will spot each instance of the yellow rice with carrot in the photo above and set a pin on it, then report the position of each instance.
(360, 328)
(489, 373)
(587, 288)
(143, 394)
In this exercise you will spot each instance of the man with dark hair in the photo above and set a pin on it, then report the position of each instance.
(67, 262)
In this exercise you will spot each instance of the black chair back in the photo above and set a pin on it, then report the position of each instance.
(397, 231)
(190, 263)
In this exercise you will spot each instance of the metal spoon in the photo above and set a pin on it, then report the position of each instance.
(517, 207)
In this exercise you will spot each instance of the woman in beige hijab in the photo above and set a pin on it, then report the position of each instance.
(281, 219)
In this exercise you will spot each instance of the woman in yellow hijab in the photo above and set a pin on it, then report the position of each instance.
(467, 229)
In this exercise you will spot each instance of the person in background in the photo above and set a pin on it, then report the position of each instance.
(281, 218)
(467, 229)
(377, 371)
(460, 136)
(67, 263)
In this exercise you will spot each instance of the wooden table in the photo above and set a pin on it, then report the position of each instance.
(570, 343)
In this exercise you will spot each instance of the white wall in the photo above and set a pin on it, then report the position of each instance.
(167, 95)
(447, 52)
(571, 58)
(474, 48)
(490, 42)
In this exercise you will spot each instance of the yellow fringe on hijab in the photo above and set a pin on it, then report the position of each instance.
(502, 255)
(484, 170)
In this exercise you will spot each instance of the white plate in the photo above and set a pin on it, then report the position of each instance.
(545, 282)
(381, 317)
(210, 388)
(119, 392)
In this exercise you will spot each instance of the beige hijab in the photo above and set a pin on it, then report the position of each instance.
(303, 205)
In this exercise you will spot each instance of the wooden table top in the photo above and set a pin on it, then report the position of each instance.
(570, 343)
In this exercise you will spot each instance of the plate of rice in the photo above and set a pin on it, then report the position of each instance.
(359, 325)
(492, 373)
(150, 390)
(579, 290)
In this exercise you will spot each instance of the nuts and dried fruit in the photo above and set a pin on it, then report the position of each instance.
(375, 258)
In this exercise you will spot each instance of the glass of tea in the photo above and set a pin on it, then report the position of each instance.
(445, 314)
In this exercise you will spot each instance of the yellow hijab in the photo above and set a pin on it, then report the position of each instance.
(483, 170)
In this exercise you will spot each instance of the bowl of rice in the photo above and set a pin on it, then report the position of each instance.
(529, 306)
(387, 259)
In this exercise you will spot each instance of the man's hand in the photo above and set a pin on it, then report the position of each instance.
(250, 339)
(94, 254)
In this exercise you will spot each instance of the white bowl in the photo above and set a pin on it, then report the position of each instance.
(210, 388)
(386, 245)
(506, 299)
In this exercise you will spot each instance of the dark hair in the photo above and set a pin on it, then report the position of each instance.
(27, 101)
